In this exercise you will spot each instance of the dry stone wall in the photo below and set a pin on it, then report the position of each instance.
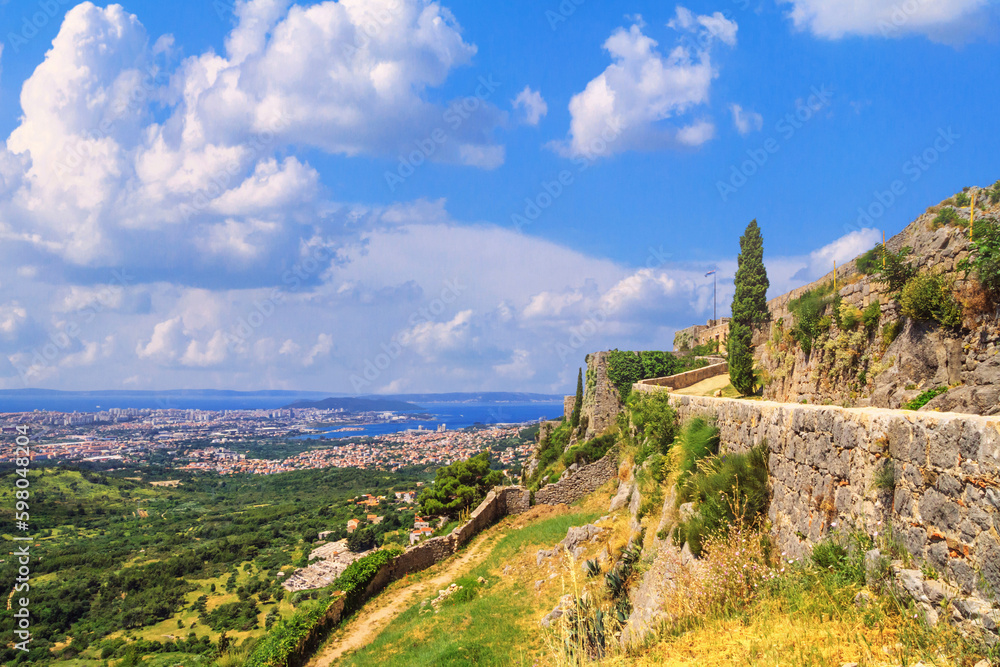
(584, 481)
(823, 463)
(498, 503)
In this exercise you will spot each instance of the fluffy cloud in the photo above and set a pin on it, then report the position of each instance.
(628, 105)
(120, 148)
(842, 250)
(746, 121)
(531, 106)
(942, 20)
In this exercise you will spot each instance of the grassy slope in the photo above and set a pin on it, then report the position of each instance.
(495, 623)
(806, 618)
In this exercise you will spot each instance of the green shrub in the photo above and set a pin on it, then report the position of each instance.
(553, 444)
(871, 261)
(985, 259)
(659, 466)
(654, 420)
(871, 315)
(948, 216)
(626, 368)
(808, 309)
(590, 451)
(828, 554)
(962, 199)
(924, 398)
(884, 478)
(705, 349)
(727, 490)
(929, 297)
(896, 272)
(889, 332)
(850, 316)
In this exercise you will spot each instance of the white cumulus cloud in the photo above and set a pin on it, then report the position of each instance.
(745, 120)
(941, 20)
(530, 105)
(628, 106)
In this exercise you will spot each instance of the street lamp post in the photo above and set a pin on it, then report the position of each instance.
(715, 315)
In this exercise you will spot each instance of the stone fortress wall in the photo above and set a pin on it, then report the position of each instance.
(944, 503)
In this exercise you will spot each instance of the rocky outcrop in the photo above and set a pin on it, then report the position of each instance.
(922, 356)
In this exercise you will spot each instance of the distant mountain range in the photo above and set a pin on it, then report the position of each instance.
(356, 404)
(26, 400)
(148, 393)
(474, 397)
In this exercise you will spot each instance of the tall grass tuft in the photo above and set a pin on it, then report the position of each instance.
(727, 490)
(698, 438)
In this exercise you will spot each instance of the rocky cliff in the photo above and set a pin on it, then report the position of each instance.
(892, 362)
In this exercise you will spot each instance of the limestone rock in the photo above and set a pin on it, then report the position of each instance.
(873, 562)
(621, 498)
(565, 604)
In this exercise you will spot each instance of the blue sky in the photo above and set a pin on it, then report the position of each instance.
(402, 195)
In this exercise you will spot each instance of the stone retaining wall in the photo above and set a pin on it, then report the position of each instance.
(688, 378)
(500, 502)
(584, 481)
(943, 503)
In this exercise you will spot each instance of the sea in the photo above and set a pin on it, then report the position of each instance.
(455, 416)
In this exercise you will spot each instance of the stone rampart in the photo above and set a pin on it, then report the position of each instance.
(934, 477)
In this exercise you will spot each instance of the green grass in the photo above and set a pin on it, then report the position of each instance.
(924, 398)
(484, 624)
(698, 438)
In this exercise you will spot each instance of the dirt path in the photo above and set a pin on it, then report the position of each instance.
(379, 612)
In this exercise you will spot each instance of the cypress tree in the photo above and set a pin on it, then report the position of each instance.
(578, 405)
(749, 308)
